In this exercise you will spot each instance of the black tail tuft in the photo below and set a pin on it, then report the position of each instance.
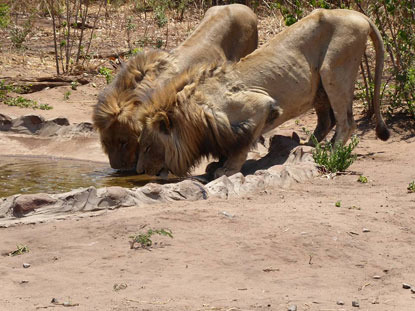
(382, 132)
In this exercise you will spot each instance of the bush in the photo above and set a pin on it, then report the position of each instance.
(107, 73)
(333, 159)
(144, 239)
(4, 15)
(18, 35)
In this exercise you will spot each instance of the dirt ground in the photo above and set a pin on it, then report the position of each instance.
(268, 251)
(277, 250)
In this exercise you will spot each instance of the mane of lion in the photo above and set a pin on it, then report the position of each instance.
(120, 99)
(222, 110)
(226, 32)
(190, 129)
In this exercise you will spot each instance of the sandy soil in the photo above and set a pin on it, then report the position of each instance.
(268, 251)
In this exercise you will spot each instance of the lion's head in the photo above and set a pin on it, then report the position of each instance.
(181, 127)
(114, 116)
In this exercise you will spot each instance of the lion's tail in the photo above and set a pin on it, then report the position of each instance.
(382, 131)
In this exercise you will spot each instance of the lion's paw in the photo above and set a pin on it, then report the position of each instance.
(223, 171)
(212, 167)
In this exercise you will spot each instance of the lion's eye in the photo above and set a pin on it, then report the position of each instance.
(123, 144)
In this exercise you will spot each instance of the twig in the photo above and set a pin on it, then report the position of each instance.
(52, 13)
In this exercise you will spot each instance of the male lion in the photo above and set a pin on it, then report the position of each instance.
(226, 33)
(221, 111)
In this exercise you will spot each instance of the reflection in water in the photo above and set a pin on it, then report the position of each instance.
(53, 175)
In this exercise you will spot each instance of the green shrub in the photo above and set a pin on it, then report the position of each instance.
(107, 73)
(18, 35)
(333, 159)
(4, 15)
(22, 102)
(144, 239)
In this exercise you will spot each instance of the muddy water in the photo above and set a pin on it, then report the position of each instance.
(54, 175)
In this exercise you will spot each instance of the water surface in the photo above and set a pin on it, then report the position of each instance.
(23, 174)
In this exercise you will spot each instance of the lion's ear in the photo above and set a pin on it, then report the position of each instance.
(161, 122)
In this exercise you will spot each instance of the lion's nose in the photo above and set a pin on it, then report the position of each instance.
(139, 168)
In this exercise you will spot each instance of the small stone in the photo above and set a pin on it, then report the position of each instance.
(406, 286)
(366, 230)
(292, 308)
(340, 303)
(413, 290)
(355, 304)
(26, 265)
(376, 277)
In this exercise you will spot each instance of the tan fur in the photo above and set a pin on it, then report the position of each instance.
(222, 110)
(226, 33)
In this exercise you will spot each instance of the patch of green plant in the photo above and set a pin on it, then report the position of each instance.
(160, 15)
(45, 107)
(333, 159)
(135, 51)
(362, 179)
(107, 73)
(19, 89)
(4, 15)
(18, 34)
(66, 95)
(159, 43)
(25, 103)
(74, 85)
(338, 203)
(21, 249)
(411, 187)
(144, 240)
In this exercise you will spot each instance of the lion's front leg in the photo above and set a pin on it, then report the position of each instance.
(233, 164)
(213, 166)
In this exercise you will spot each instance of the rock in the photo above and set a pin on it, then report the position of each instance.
(189, 190)
(340, 303)
(52, 127)
(5, 122)
(83, 127)
(376, 277)
(28, 124)
(375, 301)
(62, 121)
(254, 183)
(237, 181)
(112, 197)
(152, 191)
(26, 203)
(221, 187)
(82, 199)
(26, 265)
(413, 290)
(226, 214)
(406, 286)
(292, 308)
(365, 230)
(355, 304)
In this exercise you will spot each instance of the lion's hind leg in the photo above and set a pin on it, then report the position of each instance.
(325, 116)
(339, 84)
